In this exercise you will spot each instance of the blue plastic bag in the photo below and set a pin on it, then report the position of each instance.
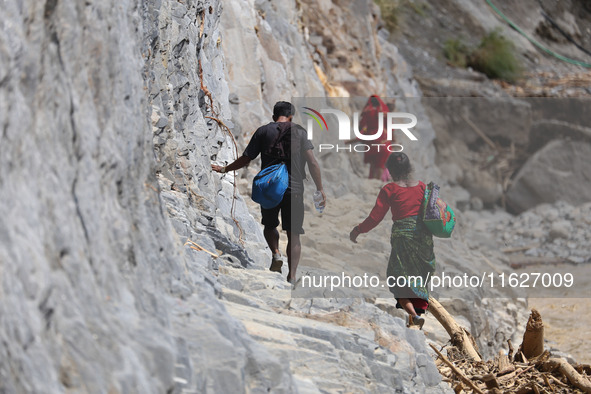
(269, 185)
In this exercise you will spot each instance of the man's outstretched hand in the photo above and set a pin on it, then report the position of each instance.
(217, 168)
(237, 164)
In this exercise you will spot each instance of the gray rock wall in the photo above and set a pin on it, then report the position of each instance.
(85, 248)
(99, 101)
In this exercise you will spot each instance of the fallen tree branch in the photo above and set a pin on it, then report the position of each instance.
(528, 261)
(504, 364)
(199, 248)
(519, 248)
(480, 133)
(459, 373)
(569, 371)
(460, 338)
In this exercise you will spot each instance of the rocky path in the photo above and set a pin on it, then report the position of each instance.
(349, 345)
(331, 345)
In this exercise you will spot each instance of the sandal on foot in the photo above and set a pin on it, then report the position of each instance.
(294, 282)
(276, 263)
(418, 321)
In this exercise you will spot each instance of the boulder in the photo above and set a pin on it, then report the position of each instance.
(546, 130)
(504, 120)
(559, 171)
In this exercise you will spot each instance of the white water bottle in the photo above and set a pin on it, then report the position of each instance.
(317, 200)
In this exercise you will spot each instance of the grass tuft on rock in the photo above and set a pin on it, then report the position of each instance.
(456, 52)
(390, 13)
(495, 57)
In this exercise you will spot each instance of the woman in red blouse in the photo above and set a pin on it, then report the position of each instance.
(412, 261)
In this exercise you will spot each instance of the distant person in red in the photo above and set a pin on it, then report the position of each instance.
(376, 156)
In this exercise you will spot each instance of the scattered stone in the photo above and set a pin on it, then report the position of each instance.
(560, 229)
(549, 231)
(162, 122)
(476, 204)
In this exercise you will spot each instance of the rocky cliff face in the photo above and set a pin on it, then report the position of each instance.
(104, 139)
(111, 113)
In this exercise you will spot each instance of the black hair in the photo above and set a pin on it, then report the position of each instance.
(398, 164)
(283, 108)
(374, 102)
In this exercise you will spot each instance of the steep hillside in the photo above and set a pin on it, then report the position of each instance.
(126, 265)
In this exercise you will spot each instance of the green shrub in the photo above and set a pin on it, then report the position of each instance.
(392, 11)
(420, 8)
(495, 57)
(456, 52)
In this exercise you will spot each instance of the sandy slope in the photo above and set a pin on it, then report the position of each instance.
(567, 320)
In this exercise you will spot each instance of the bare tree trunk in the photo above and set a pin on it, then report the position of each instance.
(533, 338)
(460, 337)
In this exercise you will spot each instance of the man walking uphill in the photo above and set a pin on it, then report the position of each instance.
(296, 152)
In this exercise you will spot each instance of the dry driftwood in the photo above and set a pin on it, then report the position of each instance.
(536, 373)
(460, 338)
(511, 350)
(503, 364)
(569, 371)
(459, 373)
(519, 248)
(491, 381)
(480, 133)
(533, 338)
(522, 261)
